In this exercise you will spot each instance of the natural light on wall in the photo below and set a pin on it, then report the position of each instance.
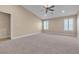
(39, 25)
(68, 24)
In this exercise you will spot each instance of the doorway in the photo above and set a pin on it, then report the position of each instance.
(5, 33)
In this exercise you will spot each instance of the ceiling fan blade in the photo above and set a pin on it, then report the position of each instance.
(51, 9)
(52, 6)
(47, 8)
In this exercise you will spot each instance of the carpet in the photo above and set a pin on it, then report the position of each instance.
(41, 43)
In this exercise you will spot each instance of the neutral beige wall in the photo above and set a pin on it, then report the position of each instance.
(23, 22)
(4, 25)
(56, 25)
(78, 25)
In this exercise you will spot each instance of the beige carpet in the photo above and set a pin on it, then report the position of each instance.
(42, 43)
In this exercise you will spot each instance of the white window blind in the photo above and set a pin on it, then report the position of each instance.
(45, 25)
(68, 24)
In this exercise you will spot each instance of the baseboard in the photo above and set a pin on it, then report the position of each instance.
(3, 37)
(7, 38)
(25, 35)
(62, 33)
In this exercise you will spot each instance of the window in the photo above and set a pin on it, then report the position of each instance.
(68, 24)
(45, 25)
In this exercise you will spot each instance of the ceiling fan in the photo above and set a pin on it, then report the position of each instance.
(48, 8)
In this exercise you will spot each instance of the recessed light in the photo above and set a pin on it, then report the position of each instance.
(62, 11)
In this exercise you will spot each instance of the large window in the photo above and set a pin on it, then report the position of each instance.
(45, 25)
(68, 24)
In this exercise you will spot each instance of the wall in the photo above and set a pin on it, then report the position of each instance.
(23, 22)
(56, 25)
(4, 25)
(78, 25)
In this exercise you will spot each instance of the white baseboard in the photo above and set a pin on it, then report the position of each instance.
(7, 36)
(62, 33)
(25, 35)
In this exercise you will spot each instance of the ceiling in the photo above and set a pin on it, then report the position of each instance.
(60, 10)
